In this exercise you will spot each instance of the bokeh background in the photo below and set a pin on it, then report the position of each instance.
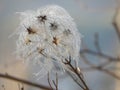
(91, 16)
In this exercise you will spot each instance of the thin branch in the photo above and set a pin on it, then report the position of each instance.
(88, 51)
(56, 82)
(68, 62)
(49, 81)
(110, 73)
(102, 70)
(98, 67)
(96, 42)
(6, 76)
(104, 64)
(117, 30)
(75, 79)
(115, 24)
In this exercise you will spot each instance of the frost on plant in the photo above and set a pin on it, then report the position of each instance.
(47, 37)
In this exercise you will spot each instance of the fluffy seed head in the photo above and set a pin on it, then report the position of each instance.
(47, 37)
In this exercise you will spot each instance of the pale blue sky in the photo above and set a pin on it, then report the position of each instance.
(84, 10)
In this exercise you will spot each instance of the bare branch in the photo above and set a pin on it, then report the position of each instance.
(91, 52)
(49, 81)
(92, 68)
(96, 42)
(98, 67)
(68, 62)
(114, 23)
(6, 76)
(55, 83)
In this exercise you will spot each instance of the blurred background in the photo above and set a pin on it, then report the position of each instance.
(91, 16)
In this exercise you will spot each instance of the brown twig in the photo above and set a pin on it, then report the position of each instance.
(49, 81)
(68, 62)
(55, 83)
(96, 42)
(6, 76)
(115, 25)
(117, 30)
(98, 67)
(102, 70)
(91, 52)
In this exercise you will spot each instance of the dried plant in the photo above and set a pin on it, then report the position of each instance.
(49, 38)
